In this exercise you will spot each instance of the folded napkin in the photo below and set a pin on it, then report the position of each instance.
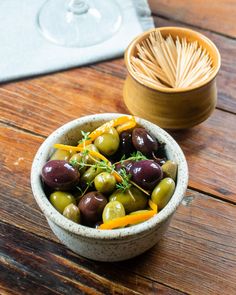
(24, 52)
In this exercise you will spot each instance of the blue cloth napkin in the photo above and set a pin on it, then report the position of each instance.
(24, 52)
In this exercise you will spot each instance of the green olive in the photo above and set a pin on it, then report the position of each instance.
(163, 192)
(132, 199)
(108, 143)
(72, 212)
(91, 159)
(79, 159)
(105, 182)
(170, 169)
(60, 200)
(114, 132)
(76, 161)
(112, 211)
(90, 174)
(61, 155)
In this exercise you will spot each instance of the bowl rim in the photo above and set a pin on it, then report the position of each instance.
(165, 89)
(87, 232)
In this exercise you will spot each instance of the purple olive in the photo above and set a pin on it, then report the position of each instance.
(127, 165)
(60, 175)
(144, 142)
(146, 173)
(126, 146)
(91, 207)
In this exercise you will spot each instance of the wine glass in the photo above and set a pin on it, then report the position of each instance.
(79, 23)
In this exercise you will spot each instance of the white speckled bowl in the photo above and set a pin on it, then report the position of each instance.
(107, 245)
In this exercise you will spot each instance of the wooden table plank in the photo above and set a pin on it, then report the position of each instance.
(202, 235)
(47, 101)
(210, 153)
(218, 16)
(42, 266)
(31, 263)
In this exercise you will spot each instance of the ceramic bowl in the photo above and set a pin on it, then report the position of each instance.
(172, 108)
(106, 245)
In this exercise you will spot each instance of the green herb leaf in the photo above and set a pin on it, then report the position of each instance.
(74, 163)
(125, 184)
(85, 136)
(137, 156)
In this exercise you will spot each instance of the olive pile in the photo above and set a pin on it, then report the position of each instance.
(90, 191)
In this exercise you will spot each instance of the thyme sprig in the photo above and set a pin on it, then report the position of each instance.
(106, 166)
(137, 156)
(85, 137)
(125, 183)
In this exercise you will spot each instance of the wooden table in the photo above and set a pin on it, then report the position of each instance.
(198, 253)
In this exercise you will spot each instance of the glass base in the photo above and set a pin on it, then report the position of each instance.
(83, 26)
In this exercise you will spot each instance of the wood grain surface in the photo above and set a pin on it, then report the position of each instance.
(198, 253)
(218, 16)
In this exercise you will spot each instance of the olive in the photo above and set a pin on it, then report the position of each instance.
(60, 200)
(61, 155)
(76, 161)
(72, 212)
(60, 175)
(144, 141)
(126, 147)
(170, 169)
(105, 182)
(91, 159)
(91, 207)
(163, 192)
(108, 143)
(127, 165)
(112, 211)
(114, 132)
(132, 199)
(146, 173)
(90, 174)
(79, 159)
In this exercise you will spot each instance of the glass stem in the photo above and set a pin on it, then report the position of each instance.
(78, 6)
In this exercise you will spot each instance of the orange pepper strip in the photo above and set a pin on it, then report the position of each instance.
(79, 149)
(67, 147)
(117, 176)
(98, 155)
(127, 220)
(126, 126)
(153, 206)
(84, 143)
(105, 127)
